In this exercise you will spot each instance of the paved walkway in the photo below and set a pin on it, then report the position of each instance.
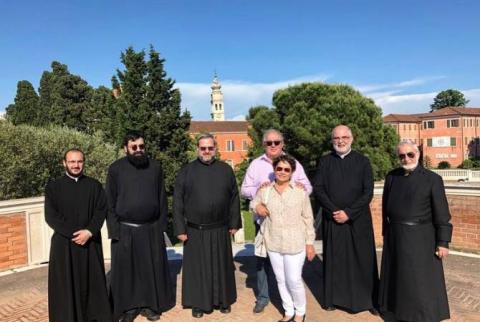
(23, 295)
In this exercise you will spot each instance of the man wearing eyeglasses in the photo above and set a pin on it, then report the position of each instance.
(344, 188)
(137, 219)
(416, 232)
(259, 173)
(206, 214)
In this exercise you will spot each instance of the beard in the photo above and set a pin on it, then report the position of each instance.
(409, 167)
(138, 159)
(74, 175)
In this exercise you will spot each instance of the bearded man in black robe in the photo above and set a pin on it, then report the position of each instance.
(137, 220)
(75, 208)
(206, 214)
(344, 188)
(416, 232)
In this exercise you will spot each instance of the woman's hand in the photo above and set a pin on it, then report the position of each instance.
(261, 210)
(310, 252)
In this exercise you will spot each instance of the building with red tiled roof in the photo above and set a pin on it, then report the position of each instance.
(448, 134)
(231, 136)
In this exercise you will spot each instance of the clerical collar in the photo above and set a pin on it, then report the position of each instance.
(72, 177)
(342, 156)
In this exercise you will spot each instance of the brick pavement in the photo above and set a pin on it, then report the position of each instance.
(23, 295)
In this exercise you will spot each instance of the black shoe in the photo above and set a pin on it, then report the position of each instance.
(129, 316)
(330, 308)
(226, 310)
(197, 313)
(374, 311)
(150, 314)
(259, 307)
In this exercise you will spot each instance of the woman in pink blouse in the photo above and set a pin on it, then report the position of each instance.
(288, 234)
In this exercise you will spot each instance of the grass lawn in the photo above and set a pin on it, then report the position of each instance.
(248, 225)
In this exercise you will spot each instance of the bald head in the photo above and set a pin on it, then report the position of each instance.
(342, 139)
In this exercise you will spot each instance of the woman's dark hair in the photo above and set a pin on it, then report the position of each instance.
(285, 158)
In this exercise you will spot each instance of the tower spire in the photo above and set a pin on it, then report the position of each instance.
(216, 100)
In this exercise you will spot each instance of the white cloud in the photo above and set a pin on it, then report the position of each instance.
(399, 85)
(239, 95)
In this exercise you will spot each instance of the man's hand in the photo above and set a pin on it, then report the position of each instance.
(300, 185)
(340, 216)
(182, 237)
(261, 210)
(81, 236)
(441, 252)
(310, 252)
(233, 231)
(263, 185)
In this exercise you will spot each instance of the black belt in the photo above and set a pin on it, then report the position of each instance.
(206, 226)
(409, 223)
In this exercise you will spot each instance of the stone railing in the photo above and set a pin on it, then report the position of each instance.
(458, 174)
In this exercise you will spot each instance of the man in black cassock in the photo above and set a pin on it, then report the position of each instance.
(344, 188)
(75, 208)
(416, 232)
(137, 219)
(206, 214)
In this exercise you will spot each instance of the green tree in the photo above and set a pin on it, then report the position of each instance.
(307, 113)
(101, 114)
(148, 101)
(24, 110)
(449, 97)
(64, 98)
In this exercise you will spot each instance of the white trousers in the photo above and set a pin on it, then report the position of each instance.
(288, 272)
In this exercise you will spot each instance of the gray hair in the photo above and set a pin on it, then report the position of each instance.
(204, 136)
(267, 132)
(409, 143)
(349, 130)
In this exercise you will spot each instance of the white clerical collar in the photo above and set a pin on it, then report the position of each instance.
(342, 156)
(73, 178)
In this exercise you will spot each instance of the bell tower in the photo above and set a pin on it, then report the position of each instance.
(216, 101)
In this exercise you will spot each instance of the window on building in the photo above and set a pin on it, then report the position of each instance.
(414, 126)
(476, 122)
(404, 127)
(409, 127)
(453, 123)
(453, 141)
(220, 106)
(230, 145)
(244, 145)
(429, 142)
(470, 122)
(428, 124)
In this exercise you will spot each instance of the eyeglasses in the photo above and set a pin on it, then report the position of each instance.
(343, 138)
(286, 170)
(205, 148)
(410, 155)
(135, 147)
(274, 143)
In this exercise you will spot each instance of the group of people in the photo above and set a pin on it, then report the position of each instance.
(206, 213)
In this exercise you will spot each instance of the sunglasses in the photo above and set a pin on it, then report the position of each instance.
(205, 148)
(135, 147)
(274, 143)
(410, 155)
(343, 138)
(286, 170)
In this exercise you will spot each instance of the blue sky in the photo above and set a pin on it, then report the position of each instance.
(400, 53)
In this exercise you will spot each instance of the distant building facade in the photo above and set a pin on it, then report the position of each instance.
(232, 136)
(449, 134)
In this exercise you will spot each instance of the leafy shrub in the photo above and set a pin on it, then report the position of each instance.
(31, 156)
(444, 165)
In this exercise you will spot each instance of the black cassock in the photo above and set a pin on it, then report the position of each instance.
(77, 290)
(207, 194)
(349, 258)
(137, 219)
(415, 221)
